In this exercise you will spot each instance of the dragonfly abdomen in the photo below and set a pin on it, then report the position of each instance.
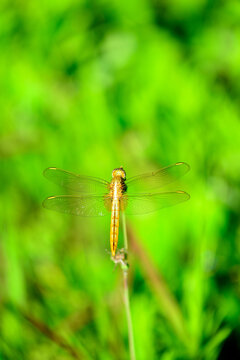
(114, 229)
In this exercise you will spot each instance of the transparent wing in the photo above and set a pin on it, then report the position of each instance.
(74, 182)
(154, 180)
(147, 203)
(88, 205)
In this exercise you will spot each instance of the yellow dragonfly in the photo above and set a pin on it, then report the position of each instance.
(92, 196)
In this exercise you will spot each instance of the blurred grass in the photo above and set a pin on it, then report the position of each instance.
(88, 87)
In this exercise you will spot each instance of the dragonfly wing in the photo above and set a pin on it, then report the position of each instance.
(74, 182)
(147, 203)
(155, 180)
(88, 205)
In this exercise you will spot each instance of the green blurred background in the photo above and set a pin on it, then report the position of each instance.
(89, 86)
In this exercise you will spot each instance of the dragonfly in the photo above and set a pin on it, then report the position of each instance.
(93, 196)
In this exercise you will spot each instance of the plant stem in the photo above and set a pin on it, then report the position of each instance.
(166, 300)
(126, 294)
(124, 232)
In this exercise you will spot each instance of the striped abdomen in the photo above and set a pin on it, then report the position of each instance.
(114, 230)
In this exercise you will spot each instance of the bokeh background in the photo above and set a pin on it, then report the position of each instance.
(89, 86)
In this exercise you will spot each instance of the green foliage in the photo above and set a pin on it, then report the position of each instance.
(90, 86)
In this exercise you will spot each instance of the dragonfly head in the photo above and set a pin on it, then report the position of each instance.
(119, 172)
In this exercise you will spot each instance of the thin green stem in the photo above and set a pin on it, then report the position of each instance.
(166, 300)
(125, 232)
(126, 295)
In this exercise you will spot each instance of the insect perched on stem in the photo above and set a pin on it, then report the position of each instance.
(93, 196)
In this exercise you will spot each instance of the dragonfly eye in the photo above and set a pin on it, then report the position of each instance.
(119, 172)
